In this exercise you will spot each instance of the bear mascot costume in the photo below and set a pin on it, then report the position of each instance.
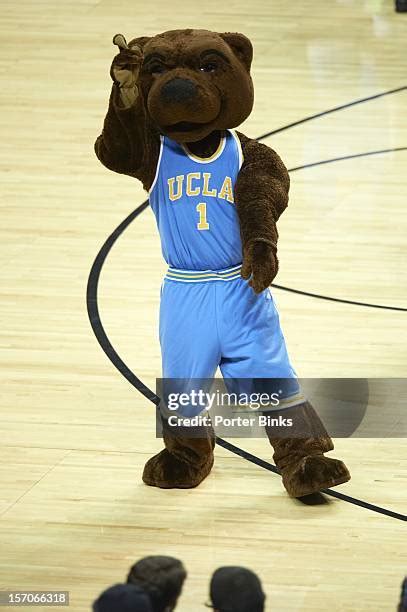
(217, 196)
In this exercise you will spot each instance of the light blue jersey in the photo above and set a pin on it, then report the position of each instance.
(192, 199)
(209, 316)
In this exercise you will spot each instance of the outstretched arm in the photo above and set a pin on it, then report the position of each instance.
(128, 144)
(261, 194)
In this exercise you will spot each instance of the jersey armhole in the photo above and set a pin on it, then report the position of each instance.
(158, 164)
(239, 148)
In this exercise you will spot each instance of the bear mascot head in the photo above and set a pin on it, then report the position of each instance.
(193, 82)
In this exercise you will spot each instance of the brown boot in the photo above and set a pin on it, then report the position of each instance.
(299, 452)
(186, 460)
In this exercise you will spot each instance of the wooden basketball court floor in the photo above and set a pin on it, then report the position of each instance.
(74, 433)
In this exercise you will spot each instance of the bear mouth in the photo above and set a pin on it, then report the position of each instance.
(184, 126)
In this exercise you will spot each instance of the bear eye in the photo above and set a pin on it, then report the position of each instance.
(208, 67)
(156, 68)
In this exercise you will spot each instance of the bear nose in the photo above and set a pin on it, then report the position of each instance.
(178, 90)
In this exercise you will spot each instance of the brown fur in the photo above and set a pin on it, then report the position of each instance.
(298, 453)
(185, 461)
(166, 84)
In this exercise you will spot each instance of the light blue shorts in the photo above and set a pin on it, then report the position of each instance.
(214, 318)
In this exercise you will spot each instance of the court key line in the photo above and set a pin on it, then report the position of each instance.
(114, 357)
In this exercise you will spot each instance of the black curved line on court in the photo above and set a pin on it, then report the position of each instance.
(345, 157)
(272, 468)
(332, 110)
(107, 347)
(94, 314)
(327, 297)
(99, 331)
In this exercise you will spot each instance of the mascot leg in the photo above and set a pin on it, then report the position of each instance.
(190, 349)
(298, 450)
(186, 459)
(300, 456)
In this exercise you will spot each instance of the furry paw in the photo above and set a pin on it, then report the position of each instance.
(166, 471)
(312, 474)
(261, 264)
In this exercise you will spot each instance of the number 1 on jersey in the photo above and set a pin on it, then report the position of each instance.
(202, 223)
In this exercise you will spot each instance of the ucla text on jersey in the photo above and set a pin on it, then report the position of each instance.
(192, 199)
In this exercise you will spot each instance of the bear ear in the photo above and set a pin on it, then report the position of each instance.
(241, 46)
(140, 41)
